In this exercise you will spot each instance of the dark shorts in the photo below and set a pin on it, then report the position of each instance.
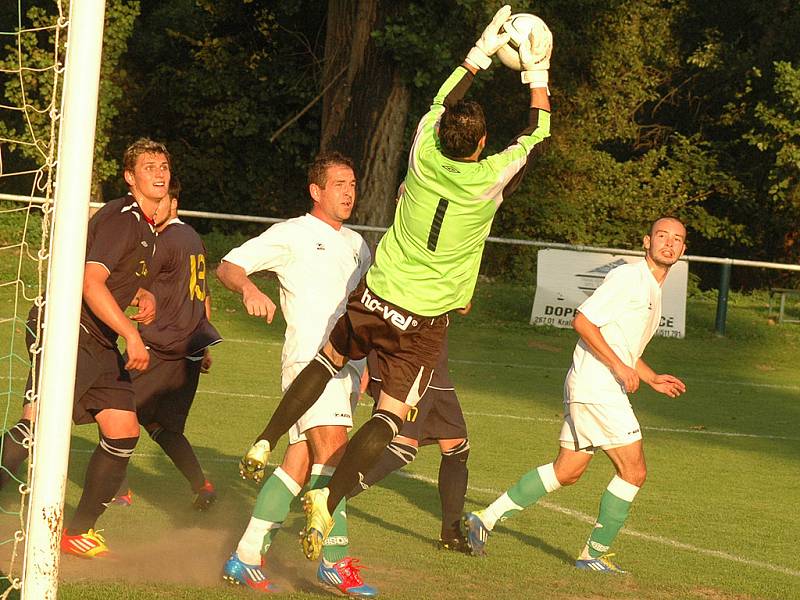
(165, 392)
(438, 414)
(437, 417)
(407, 345)
(101, 380)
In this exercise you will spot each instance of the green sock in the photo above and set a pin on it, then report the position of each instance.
(614, 506)
(337, 544)
(272, 506)
(530, 487)
(273, 502)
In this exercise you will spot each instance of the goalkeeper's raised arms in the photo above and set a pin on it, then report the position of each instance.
(491, 40)
(534, 54)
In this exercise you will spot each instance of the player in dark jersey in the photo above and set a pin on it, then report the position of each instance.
(426, 265)
(119, 250)
(437, 419)
(179, 340)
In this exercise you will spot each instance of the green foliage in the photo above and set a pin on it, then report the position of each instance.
(30, 61)
(215, 80)
(39, 55)
(120, 18)
(687, 107)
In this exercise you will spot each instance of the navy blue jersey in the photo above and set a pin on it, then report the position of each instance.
(180, 287)
(122, 240)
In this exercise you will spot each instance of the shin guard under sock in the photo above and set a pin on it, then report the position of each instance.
(614, 506)
(363, 450)
(453, 474)
(104, 474)
(180, 451)
(396, 456)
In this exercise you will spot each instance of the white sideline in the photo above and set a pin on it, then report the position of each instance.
(775, 386)
(549, 506)
(626, 531)
(546, 419)
(521, 418)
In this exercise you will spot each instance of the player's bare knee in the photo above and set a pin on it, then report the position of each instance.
(566, 479)
(328, 443)
(117, 424)
(457, 453)
(568, 474)
(29, 411)
(636, 476)
(337, 360)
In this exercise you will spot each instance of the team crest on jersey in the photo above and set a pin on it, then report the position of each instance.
(320, 246)
(450, 168)
(142, 270)
(144, 243)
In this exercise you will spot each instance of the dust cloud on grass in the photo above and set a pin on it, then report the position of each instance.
(187, 557)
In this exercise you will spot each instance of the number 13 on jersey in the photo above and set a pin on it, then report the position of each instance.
(197, 277)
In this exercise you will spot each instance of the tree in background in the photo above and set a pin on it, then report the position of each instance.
(216, 80)
(33, 86)
(688, 107)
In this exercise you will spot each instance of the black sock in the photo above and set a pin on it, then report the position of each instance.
(104, 474)
(180, 451)
(305, 390)
(396, 456)
(363, 451)
(125, 486)
(16, 442)
(453, 476)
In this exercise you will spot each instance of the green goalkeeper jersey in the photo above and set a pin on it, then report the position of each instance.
(428, 260)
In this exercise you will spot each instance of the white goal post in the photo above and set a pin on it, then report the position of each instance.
(62, 311)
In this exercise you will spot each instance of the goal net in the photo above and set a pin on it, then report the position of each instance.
(48, 98)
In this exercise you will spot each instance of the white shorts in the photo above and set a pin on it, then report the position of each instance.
(334, 407)
(591, 426)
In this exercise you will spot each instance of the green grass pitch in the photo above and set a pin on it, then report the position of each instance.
(716, 520)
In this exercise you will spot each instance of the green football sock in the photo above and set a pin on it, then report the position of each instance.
(337, 545)
(614, 506)
(530, 487)
(272, 506)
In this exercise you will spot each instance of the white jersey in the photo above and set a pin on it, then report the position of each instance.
(627, 309)
(317, 267)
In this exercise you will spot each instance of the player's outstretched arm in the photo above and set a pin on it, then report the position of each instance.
(666, 384)
(480, 57)
(534, 54)
(491, 40)
(257, 303)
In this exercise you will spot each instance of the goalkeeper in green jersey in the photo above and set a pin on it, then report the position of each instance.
(425, 266)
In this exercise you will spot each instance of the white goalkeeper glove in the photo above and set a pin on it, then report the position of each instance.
(491, 40)
(534, 55)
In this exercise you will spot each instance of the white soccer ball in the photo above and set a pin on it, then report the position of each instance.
(520, 27)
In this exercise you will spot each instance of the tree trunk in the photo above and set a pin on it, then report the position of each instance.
(364, 113)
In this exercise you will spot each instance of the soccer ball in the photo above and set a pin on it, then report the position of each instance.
(520, 27)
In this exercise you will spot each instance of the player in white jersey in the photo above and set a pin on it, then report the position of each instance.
(615, 324)
(318, 263)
